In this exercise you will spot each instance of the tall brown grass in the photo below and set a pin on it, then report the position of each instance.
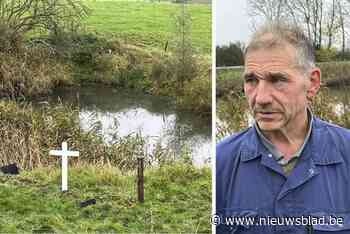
(27, 134)
(31, 72)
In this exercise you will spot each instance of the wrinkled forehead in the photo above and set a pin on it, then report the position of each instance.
(276, 59)
(269, 41)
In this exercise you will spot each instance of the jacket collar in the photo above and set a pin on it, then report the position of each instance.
(323, 146)
(251, 147)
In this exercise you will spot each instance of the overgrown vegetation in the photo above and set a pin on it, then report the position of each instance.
(177, 199)
(31, 72)
(18, 17)
(72, 57)
(28, 134)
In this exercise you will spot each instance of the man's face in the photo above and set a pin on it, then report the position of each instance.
(276, 89)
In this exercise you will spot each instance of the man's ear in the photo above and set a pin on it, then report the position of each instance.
(315, 83)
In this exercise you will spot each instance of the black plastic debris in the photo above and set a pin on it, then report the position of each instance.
(11, 169)
(87, 203)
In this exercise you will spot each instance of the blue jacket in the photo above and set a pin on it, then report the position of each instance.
(250, 183)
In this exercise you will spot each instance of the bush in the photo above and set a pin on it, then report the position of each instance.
(30, 73)
(229, 82)
(335, 74)
(231, 55)
(326, 55)
(343, 56)
(9, 42)
(20, 17)
(163, 75)
(197, 92)
(231, 115)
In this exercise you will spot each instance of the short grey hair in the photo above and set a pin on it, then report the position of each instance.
(282, 34)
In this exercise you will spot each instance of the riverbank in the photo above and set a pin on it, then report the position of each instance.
(100, 57)
(177, 199)
(28, 134)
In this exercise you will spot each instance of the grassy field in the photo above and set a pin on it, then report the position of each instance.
(177, 199)
(149, 24)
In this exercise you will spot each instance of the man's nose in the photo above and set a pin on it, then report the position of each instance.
(263, 93)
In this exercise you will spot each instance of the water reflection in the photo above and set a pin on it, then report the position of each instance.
(342, 105)
(128, 113)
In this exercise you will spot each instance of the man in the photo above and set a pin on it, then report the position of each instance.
(289, 166)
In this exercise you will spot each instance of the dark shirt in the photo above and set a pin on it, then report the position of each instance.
(287, 165)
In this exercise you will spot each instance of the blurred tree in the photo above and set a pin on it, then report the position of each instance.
(231, 55)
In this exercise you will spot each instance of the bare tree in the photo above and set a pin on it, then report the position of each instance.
(309, 14)
(271, 10)
(185, 61)
(330, 23)
(321, 19)
(300, 14)
(21, 16)
(344, 14)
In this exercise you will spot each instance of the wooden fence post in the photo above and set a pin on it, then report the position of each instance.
(140, 180)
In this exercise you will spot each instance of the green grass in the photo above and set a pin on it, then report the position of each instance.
(177, 199)
(149, 24)
(229, 74)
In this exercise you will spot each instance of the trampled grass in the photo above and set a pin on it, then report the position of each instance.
(149, 23)
(177, 199)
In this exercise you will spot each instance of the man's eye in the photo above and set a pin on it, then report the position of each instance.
(278, 79)
(250, 80)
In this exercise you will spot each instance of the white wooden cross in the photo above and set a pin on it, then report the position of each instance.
(64, 153)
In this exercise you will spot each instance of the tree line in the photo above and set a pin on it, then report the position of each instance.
(230, 55)
(325, 22)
